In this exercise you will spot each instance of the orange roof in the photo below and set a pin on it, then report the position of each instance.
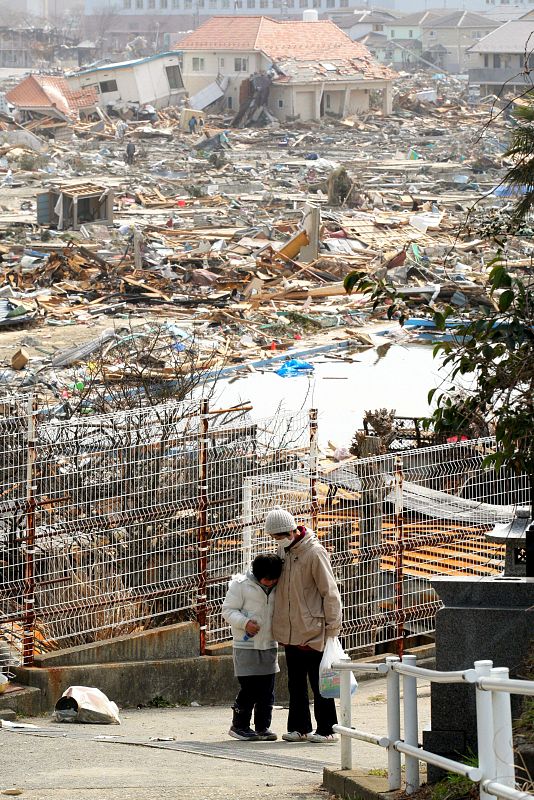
(320, 40)
(47, 91)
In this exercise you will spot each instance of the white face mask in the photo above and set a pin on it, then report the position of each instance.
(286, 539)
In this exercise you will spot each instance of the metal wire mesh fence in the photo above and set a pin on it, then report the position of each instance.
(115, 523)
(391, 522)
(118, 522)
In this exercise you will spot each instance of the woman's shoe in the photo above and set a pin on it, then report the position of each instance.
(294, 736)
(320, 739)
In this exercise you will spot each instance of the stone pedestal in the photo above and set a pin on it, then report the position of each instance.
(482, 618)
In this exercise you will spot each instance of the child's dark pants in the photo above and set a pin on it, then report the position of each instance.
(256, 694)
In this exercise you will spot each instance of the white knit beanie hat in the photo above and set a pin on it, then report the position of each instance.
(278, 520)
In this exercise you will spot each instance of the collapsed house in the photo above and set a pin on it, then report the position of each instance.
(155, 80)
(297, 70)
(48, 105)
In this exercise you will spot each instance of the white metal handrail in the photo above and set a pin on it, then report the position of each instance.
(495, 772)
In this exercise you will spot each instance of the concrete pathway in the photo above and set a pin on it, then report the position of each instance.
(181, 753)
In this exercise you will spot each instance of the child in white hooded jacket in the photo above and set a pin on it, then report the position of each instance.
(248, 608)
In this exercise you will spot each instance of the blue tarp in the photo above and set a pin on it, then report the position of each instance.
(510, 191)
(294, 367)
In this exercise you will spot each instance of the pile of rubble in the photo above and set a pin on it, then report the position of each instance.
(244, 237)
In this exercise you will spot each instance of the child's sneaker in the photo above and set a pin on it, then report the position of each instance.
(294, 736)
(245, 734)
(267, 736)
(319, 738)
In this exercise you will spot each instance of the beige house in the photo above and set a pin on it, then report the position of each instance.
(302, 69)
(503, 60)
(447, 39)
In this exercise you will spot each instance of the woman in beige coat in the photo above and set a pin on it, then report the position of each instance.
(307, 611)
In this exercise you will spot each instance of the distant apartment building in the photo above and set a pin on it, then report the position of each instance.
(48, 9)
(203, 9)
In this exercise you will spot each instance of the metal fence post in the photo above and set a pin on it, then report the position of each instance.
(247, 523)
(313, 468)
(28, 641)
(399, 556)
(484, 707)
(393, 720)
(202, 596)
(411, 725)
(345, 717)
(502, 731)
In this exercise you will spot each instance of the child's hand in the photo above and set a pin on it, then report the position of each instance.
(252, 627)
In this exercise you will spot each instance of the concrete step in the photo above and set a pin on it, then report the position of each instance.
(22, 700)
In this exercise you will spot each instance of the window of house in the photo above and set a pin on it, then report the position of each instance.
(126, 3)
(240, 64)
(264, 3)
(280, 103)
(496, 61)
(212, 3)
(108, 86)
(327, 101)
(316, 3)
(163, 3)
(343, 3)
(225, 3)
(176, 3)
(431, 33)
(290, 3)
(200, 3)
(139, 4)
(230, 102)
(392, 34)
(378, 27)
(251, 3)
(198, 64)
(486, 60)
(330, 3)
(221, 62)
(410, 34)
(238, 3)
(174, 77)
(152, 3)
(303, 3)
(188, 3)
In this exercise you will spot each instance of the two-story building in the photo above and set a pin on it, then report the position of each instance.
(501, 61)
(446, 39)
(360, 22)
(313, 68)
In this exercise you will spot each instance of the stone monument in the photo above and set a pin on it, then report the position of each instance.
(482, 618)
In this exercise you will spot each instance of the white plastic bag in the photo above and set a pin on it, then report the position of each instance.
(330, 679)
(86, 704)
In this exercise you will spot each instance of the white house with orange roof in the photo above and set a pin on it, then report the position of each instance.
(314, 68)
